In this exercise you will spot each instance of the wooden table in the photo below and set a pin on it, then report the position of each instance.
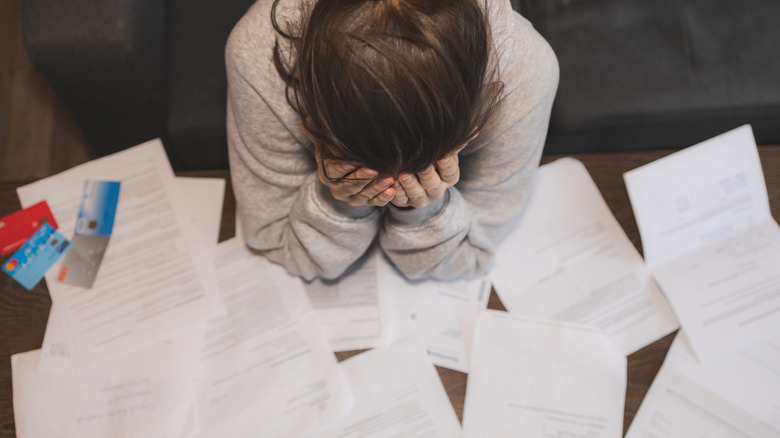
(23, 314)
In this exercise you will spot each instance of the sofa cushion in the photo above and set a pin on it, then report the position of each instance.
(105, 61)
(197, 85)
(665, 73)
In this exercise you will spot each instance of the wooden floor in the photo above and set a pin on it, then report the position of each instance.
(38, 137)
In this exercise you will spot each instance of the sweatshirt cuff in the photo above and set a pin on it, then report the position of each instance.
(416, 216)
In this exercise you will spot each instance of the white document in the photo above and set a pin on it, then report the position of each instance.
(538, 378)
(48, 405)
(441, 313)
(203, 199)
(568, 259)
(353, 309)
(733, 397)
(711, 242)
(155, 276)
(266, 368)
(173, 356)
(397, 394)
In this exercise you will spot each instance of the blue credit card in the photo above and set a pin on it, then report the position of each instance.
(93, 231)
(98, 208)
(30, 262)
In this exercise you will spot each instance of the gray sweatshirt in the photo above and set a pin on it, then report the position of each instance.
(292, 218)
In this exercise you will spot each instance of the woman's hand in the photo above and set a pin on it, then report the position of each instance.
(429, 185)
(361, 186)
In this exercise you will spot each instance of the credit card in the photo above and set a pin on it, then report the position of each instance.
(94, 226)
(28, 264)
(18, 226)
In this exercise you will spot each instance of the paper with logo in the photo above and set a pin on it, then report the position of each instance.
(155, 278)
(18, 226)
(29, 263)
(93, 232)
(441, 313)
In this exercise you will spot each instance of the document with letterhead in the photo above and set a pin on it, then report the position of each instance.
(155, 276)
(441, 313)
(711, 242)
(568, 259)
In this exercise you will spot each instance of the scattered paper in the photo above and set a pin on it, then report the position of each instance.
(441, 313)
(733, 397)
(202, 199)
(49, 405)
(397, 394)
(353, 309)
(155, 277)
(710, 241)
(568, 259)
(536, 378)
(266, 365)
(171, 356)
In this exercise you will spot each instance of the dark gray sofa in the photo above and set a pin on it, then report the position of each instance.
(635, 74)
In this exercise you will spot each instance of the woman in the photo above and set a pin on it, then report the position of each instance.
(419, 123)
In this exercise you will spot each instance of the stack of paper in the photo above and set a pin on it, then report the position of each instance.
(120, 356)
(156, 277)
(265, 365)
(711, 242)
(181, 337)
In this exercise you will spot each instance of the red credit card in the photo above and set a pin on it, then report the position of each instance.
(18, 226)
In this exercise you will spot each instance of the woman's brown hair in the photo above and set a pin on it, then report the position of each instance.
(393, 85)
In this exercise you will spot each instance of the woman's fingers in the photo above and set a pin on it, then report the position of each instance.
(432, 183)
(449, 169)
(383, 198)
(416, 194)
(399, 199)
(363, 186)
(372, 193)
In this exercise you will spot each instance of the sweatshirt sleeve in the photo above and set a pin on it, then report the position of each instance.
(283, 209)
(457, 235)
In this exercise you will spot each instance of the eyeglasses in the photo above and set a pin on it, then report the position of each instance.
(345, 177)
